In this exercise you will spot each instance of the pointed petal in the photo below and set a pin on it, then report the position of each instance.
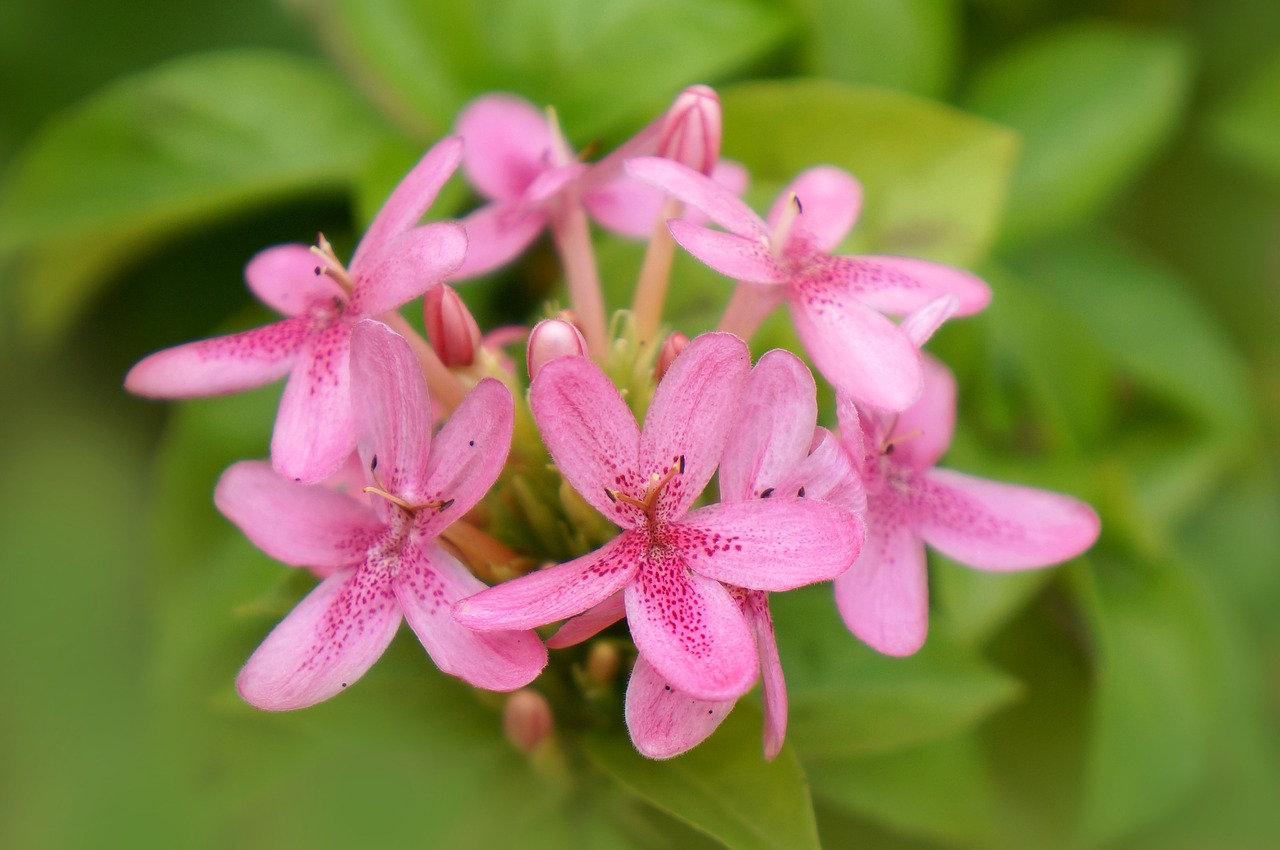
(923, 432)
(428, 583)
(407, 266)
(994, 526)
(700, 191)
(778, 543)
(830, 199)
(756, 607)
(299, 525)
(884, 597)
(508, 142)
(738, 257)
(557, 592)
(394, 419)
(774, 427)
(224, 364)
(589, 623)
(921, 324)
(410, 199)
(690, 416)
(663, 722)
(496, 235)
(690, 629)
(899, 285)
(284, 278)
(590, 433)
(325, 644)
(315, 430)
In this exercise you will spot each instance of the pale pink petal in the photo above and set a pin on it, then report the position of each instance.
(690, 629)
(732, 175)
(315, 429)
(921, 324)
(899, 285)
(224, 364)
(994, 526)
(508, 142)
(830, 200)
(428, 583)
(389, 395)
(774, 427)
(550, 183)
(854, 429)
(884, 597)
(590, 433)
(496, 234)
(828, 473)
(625, 206)
(855, 348)
(689, 418)
(284, 278)
(663, 722)
(738, 257)
(923, 431)
(719, 204)
(410, 199)
(589, 623)
(297, 524)
(407, 266)
(555, 593)
(325, 644)
(770, 544)
(756, 607)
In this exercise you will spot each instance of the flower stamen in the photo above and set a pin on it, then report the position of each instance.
(332, 267)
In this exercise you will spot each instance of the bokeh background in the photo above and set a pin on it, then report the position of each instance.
(1112, 168)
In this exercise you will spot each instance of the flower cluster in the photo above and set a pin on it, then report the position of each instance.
(402, 477)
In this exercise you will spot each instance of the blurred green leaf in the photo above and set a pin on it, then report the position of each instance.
(724, 787)
(1248, 127)
(934, 179)
(976, 603)
(598, 64)
(1093, 103)
(163, 151)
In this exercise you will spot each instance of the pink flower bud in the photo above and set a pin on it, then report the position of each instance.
(526, 719)
(552, 338)
(670, 350)
(691, 132)
(451, 328)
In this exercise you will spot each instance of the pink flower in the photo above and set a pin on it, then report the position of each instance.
(987, 525)
(381, 561)
(836, 302)
(668, 562)
(394, 262)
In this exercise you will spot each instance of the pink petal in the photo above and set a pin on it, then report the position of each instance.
(299, 525)
(589, 624)
(496, 235)
(325, 644)
(508, 142)
(853, 429)
(407, 266)
(857, 349)
(394, 411)
(284, 278)
(756, 607)
(994, 526)
(315, 430)
(921, 324)
(720, 204)
(738, 257)
(690, 629)
(828, 473)
(830, 200)
(225, 364)
(428, 583)
(770, 544)
(899, 285)
(690, 416)
(625, 206)
(590, 433)
(557, 592)
(884, 597)
(774, 426)
(664, 722)
(923, 431)
(410, 199)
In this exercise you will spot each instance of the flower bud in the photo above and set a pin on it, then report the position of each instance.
(691, 132)
(526, 719)
(552, 338)
(667, 355)
(451, 328)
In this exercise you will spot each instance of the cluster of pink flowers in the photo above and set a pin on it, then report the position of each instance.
(397, 536)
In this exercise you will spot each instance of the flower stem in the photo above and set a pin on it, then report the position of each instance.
(745, 312)
(573, 242)
(655, 274)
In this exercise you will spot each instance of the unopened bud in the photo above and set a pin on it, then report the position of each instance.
(526, 719)
(691, 132)
(603, 661)
(670, 350)
(451, 328)
(552, 338)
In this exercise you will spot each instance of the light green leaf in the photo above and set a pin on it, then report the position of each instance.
(1093, 103)
(934, 179)
(723, 787)
(1248, 128)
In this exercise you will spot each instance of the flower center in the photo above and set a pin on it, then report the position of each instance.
(439, 505)
(653, 489)
(331, 265)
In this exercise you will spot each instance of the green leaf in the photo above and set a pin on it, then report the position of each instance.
(1248, 127)
(934, 179)
(164, 151)
(1093, 103)
(598, 64)
(724, 787)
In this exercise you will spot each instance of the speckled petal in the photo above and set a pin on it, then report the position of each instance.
(774, 427)
(325, 644)
(393, 411)
(923, 431)
(410, 199)
(555, 593)
(224, 364)
(899, 285)
(429, 581)
(719, 204)
(284, 278)
(663, 722)
(756, 607)
(407, 266)
(994, 526)
(830, 200)
(738, 257)
(496, 235)
(508, 142)
(315, 430)
(589, 623)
